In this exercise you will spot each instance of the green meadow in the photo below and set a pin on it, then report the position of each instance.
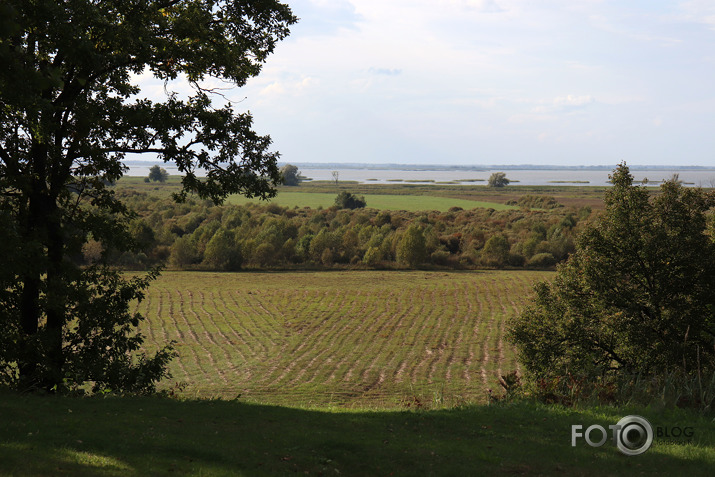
(377, 201)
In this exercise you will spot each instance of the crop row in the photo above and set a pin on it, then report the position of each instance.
(337, 337)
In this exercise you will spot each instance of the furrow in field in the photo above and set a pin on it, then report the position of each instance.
(323, 342)
(382, 304)
(407, 343)
(302, 327)
(179, 334)
(422, 351)
(500, 331)
(363, 318)
(230, 317)
(386, 342)
(223, 341)
(273, 321)
(377, 340)
(193, 341)
(161, 319)
(492, 340)
(430, 343)
(472, 318)
(485, 330)
(332, 348)
(144, 309)
(203, 329)
(452, 337)
(322, 331)
(396, 351)
(458, 322)
(249, 323)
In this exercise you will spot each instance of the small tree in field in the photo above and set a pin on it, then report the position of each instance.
(158, 174)
(291, 175)
(636, 297)
(346, 200)
(498, 179)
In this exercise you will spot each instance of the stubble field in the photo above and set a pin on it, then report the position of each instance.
(347, 338)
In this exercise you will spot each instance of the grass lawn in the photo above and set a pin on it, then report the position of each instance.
(151, 436)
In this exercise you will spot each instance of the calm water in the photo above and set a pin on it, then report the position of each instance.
(705, 178)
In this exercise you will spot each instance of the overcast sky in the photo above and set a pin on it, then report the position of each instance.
(570, 82)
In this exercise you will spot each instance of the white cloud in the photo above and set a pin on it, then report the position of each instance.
(433, 75)
(699, 11)
(573, 101)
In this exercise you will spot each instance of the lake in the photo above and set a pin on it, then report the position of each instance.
(574, 177)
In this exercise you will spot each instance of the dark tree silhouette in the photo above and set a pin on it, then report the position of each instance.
(69, 114)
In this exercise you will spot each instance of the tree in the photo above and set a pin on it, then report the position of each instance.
(158, 174)
(221, 252)
(498, 179)
(496, 251)
(412, 249)
(69, 113)
(346, 200)
(291, 175)
(636, 297)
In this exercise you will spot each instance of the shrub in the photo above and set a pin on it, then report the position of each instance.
(346, 200)
(542, 260)
(411, 249)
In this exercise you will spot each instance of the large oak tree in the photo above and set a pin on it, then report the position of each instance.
(70, 110)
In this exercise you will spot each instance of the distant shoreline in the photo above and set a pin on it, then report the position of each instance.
(453, 167)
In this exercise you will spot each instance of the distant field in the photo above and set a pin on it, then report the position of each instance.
(400, 195)
(344, 338)
(377, 201)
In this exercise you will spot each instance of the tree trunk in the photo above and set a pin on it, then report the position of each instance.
(56, 299)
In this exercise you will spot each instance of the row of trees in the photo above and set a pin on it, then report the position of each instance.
(199, 235)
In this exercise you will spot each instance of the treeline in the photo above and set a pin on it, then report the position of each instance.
(198, 235)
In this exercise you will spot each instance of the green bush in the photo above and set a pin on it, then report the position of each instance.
(346, 200)
(542, 260)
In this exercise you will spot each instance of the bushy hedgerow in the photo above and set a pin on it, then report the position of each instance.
(197, 235)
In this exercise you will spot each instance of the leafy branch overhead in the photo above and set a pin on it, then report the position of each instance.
(70, 111)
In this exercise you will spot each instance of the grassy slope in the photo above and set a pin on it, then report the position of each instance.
(145, 436)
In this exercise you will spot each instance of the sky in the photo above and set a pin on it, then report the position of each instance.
(480, 82)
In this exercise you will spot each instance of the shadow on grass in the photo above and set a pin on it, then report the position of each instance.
(150, 436)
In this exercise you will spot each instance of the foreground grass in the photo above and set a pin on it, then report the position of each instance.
(151, 436)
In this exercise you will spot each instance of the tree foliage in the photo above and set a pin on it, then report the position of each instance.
(69, 113)
(637, 296)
